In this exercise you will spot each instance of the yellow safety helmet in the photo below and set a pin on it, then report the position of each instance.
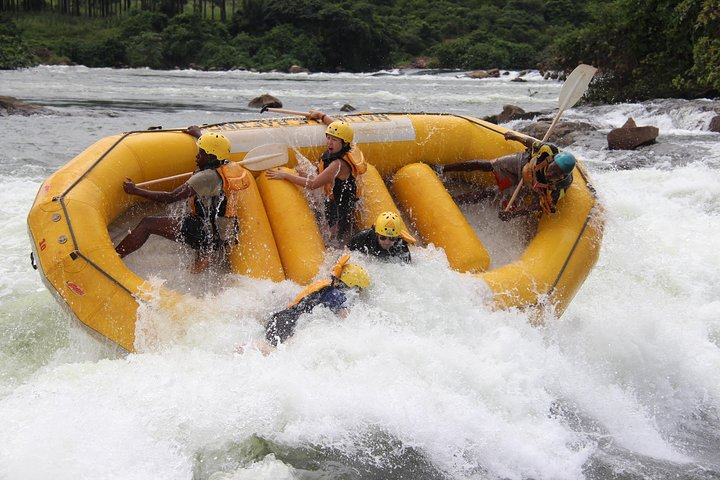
(353, 275)
(215, 144)
(389, 224)
(341, 130)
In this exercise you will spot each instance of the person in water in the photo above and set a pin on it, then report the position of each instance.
(330, 293)
(546, 174)
(211, 192)
(387, 239)
(338, 171)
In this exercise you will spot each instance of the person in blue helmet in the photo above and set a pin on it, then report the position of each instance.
(545, 170)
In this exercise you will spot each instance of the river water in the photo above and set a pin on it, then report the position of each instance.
(422, 380)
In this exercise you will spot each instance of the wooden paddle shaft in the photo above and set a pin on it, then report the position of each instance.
(289, 112)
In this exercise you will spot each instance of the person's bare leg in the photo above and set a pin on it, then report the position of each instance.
(167, 227)
(201, 263)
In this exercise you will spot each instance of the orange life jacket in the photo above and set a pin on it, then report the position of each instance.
(535, 176)
(356, 160)
(335, 273)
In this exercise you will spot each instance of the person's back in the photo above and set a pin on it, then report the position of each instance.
(328, 293)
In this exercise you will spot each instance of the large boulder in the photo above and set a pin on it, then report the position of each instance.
(492, 73)
(265, 100)
(13, 106)
(511, 112)
(715, 124)
(630, 136)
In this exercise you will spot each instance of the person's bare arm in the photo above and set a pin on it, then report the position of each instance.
(182, 192)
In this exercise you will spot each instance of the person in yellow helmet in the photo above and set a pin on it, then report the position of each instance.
(210, 223)
(338, 169)
(387, 239)
(545, 170)
(327, 293)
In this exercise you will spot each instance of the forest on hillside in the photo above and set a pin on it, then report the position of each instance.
(643, 48)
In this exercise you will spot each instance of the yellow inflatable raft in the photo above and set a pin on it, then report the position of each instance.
(68, 222)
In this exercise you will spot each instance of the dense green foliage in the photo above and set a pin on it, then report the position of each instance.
(644, 48)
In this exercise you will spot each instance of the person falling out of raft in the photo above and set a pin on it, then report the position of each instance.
(339, 168)
(546, 174)
(332, 294)
(387, 239)
(212, 193)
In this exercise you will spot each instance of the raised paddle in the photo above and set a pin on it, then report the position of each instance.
(572, 90)
(264, 157)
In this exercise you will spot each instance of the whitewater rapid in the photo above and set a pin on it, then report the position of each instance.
(422, 380)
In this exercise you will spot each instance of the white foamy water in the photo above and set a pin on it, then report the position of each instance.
(422, 380)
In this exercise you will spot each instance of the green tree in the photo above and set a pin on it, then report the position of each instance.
(14, 53)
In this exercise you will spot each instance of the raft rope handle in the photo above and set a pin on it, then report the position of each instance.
(75, 254)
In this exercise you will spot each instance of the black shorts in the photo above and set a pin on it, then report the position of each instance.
(196, 233)
(340, 213)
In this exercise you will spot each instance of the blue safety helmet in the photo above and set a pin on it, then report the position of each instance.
(566, 161)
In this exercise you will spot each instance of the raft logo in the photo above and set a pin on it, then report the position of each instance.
(77, 289)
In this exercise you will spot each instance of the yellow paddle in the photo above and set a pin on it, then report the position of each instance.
(263, 157)
(572, 90)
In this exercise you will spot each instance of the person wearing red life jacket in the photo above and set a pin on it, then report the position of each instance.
(211, 222)
(338, 171)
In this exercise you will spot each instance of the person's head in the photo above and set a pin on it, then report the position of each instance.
(212, 147)
(565, 162)
(339, 135)
(353, 275)
(388, 228)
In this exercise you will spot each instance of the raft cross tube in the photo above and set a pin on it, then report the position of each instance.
(438, 219)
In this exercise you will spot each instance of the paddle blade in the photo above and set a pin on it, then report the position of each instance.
(576, 85)
(571, 91)
(266, 156)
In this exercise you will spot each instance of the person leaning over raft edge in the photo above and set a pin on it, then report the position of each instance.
(546, 174)
(339, 167)
(328, 293)
(387, 239)
(211, 193)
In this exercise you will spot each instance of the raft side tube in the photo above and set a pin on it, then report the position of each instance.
(438, 219)
(256, 253)
(556, 262)
(297, 236)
